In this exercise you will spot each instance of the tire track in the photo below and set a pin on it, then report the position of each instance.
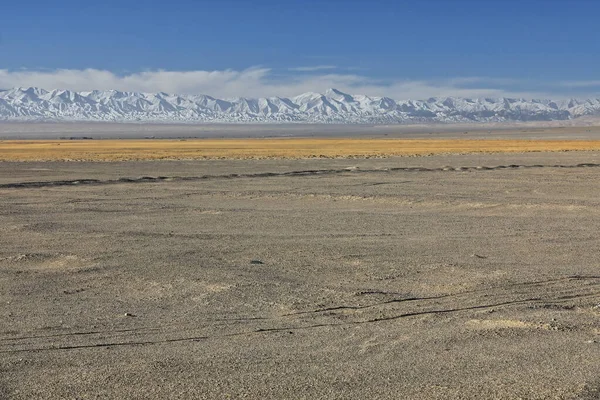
(158, 179)
(548, 292)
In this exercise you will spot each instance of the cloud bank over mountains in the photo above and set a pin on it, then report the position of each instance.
(266, 82)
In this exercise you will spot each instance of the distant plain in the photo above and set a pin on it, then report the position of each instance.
(580, 128)
(121, 142)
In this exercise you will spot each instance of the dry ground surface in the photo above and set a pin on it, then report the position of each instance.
(579, 128)
(137, 150)
(444, 277)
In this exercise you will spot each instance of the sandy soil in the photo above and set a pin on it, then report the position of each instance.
(414, 278)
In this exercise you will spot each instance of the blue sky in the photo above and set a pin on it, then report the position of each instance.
(402, 49)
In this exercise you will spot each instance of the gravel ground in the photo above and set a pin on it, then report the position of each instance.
(414, 278)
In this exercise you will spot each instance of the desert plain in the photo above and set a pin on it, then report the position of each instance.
(445, 276)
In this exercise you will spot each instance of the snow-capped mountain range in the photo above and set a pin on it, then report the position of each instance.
(332, 106)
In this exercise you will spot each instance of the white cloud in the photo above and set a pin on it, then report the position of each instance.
(221, 83)
(258, 82)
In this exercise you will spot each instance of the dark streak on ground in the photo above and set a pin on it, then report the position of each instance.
(151, 179)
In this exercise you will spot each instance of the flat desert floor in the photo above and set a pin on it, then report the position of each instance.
(579, 128)
(443, 277)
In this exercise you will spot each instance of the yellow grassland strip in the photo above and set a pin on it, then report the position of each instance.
(158, 149)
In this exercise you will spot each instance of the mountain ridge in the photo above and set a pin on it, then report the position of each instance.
(332, 106)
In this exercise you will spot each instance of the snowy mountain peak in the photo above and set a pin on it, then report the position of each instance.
(331, 106)
(338, 95)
